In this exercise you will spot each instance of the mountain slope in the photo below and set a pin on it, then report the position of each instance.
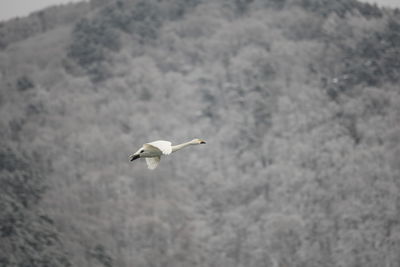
(298, 101)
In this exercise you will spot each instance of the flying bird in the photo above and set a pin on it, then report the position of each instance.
(153, 151)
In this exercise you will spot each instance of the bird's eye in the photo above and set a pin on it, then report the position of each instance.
(141, 151)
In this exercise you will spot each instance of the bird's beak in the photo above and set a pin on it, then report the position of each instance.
(202, 142)
(133, 157)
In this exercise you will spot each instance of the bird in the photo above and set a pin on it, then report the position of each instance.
(153, 151)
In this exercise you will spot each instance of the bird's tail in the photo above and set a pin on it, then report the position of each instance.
(133, 157)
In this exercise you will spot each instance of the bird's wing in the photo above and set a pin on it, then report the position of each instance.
(152, 162)
(164, 146)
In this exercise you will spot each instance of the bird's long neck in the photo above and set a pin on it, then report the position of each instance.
(180, 146)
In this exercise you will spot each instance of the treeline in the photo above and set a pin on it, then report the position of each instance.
(96, 38)
(18, 29)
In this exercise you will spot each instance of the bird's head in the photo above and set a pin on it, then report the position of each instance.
(198, 141)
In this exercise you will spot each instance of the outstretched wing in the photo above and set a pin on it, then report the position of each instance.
(164, 146)
(152, 162)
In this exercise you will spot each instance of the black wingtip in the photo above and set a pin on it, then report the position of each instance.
(133, 157)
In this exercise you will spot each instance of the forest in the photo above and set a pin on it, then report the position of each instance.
(298, 100)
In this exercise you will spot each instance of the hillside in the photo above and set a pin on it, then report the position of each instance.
(298, 100)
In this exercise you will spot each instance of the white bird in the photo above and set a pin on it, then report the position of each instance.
(153, 151)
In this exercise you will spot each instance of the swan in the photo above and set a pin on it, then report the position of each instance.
(153, 151)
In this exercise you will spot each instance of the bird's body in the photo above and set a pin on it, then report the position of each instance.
(153, 151)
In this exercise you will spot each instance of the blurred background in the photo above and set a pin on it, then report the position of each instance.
(298, 100)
